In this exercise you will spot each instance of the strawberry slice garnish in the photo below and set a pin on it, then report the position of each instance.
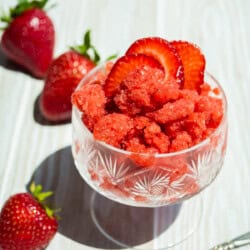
(123, 67)
(163, 52)
(193, 62)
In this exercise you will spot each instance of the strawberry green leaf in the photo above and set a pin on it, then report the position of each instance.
(32, 187)
(5, 18)
(25, 5)
(43, 196)
(96, 56)
(111, 57)
(36, 191)
(87, 49)
(87, 40)
(21, 7)
(81, 49)
(49, 211)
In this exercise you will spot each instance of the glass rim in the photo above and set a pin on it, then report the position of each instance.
(160, 155)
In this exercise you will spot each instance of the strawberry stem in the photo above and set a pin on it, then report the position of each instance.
(21, 7)
(36, 191)
(87, 49)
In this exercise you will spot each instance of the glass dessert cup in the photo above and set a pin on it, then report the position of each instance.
(151, 189)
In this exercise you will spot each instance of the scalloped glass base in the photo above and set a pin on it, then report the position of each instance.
(146, 228)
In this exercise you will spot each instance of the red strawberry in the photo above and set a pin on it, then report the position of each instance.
(163, 52)
(25, 223)
(29, 36)
(123, 67)
(64, 75)
(193, 62)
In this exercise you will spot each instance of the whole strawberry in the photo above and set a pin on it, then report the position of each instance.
(63, 76)
(29, 36)
(25, 222)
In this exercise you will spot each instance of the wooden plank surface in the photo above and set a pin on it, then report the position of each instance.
(31, 148)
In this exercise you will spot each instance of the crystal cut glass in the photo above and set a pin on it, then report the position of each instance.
(165, 180)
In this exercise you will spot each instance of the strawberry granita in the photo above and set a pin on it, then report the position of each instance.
(117, 126)
(138, 89)
(153, 131)
(86, 102)
(137, 122)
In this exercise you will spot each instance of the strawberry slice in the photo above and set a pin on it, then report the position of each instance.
(193, 62)
(123, 67)
(163, 52)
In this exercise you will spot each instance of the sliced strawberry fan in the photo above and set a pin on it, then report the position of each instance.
(163, 52)
(123, 67)
(193, 62)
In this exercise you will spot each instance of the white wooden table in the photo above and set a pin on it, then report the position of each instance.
(28, 147)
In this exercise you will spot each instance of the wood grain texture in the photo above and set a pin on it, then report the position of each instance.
(30, 148)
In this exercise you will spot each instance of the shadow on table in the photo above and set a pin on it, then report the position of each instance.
(9, 64)
(38, 117)
(129, 224)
